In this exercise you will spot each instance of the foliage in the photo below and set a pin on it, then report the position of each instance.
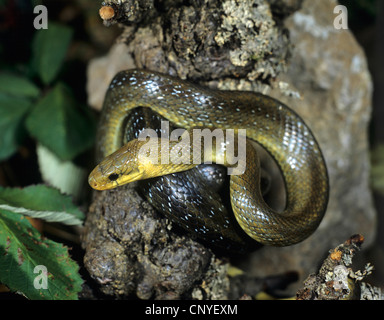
(48, 51)
(67, 130)
(41, 202)
(50, 114)
(36, 103)
(22, 248)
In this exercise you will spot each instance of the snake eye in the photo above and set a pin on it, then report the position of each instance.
(113, 176)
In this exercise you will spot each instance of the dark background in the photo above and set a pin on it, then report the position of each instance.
(366, 21)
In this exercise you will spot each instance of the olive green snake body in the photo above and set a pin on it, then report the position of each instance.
(197, 199)
(267, 121)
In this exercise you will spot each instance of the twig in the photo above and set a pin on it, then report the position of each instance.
(337, 281)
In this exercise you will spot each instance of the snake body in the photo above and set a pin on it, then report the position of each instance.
(197, 199)
(267, 121)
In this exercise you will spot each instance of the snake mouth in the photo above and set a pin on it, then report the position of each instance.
(133, 175)
(114, 180)
(98, 181)
(94, 183)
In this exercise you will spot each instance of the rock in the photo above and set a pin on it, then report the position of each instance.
(131, 250)
(328, 70)
(100, 72)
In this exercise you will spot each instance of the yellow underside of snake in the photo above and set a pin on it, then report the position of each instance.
(267, 121)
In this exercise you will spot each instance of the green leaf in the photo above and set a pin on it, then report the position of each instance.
(22, 249)
(66, 176)
(49, 216)
(49, 49)
(12, 113)
(13, 84)
(61, 125)
(41, 202)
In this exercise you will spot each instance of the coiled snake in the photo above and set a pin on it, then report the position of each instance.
(267, 121)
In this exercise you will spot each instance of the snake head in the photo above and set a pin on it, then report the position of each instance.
(119, 168)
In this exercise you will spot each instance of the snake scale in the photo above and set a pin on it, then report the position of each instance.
(273, 125)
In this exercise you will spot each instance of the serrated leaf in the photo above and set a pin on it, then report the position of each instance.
(49, 216)
(22, 249)
(59, 124)
(12, 113)
(63, 175)
(41, 202)
(49, 49)
(13, 84)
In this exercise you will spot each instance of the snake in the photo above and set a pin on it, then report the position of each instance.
(267, 121)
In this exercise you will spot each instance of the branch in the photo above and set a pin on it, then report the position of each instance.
(337, 281)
